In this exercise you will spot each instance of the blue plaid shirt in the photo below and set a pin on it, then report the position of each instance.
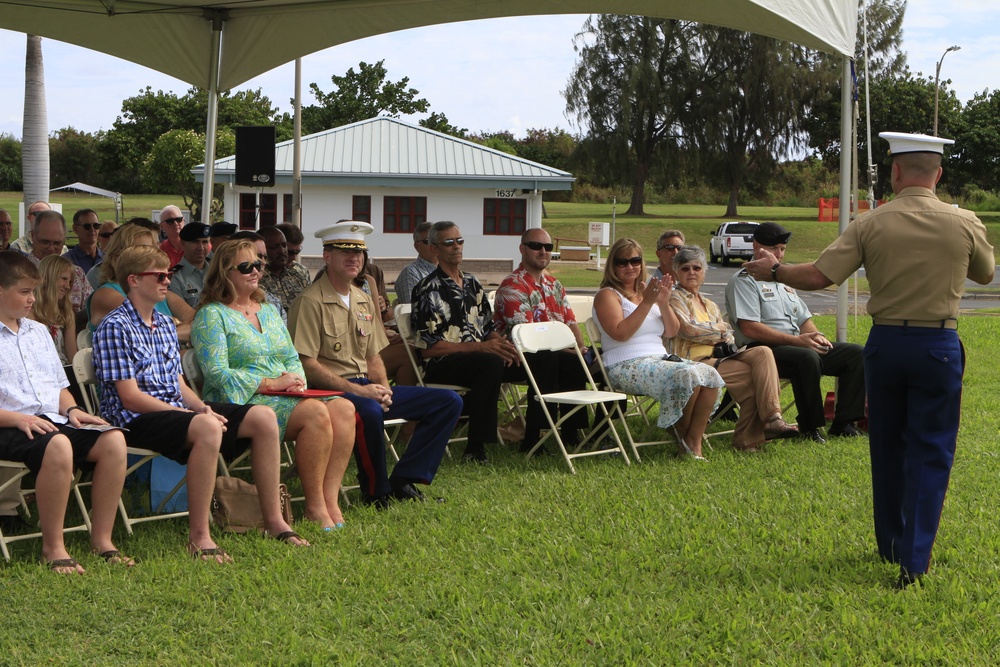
(126, 349)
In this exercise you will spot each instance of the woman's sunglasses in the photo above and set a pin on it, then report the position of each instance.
(106, 235)
(246, 268)
(625, 261)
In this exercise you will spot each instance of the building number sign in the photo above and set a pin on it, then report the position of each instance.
(506, 194)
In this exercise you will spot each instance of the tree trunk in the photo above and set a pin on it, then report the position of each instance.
(734, 198)
(35, 139)
(635, 206)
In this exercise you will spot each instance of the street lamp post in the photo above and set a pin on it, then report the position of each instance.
(937, 87)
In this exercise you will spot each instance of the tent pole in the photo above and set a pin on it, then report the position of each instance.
(218, 18)
(845, 185)
(297, 149)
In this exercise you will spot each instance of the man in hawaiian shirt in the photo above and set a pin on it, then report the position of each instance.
(453, 325)
(532, 295)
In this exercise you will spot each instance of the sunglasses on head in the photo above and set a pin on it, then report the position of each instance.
(161, 276)
(173, 221)
(625, 261)
(451, 242)
(107, 235)
(246, 268)
(89, 226)
(538, 245)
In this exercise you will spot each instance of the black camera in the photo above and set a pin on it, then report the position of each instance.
(723, 350)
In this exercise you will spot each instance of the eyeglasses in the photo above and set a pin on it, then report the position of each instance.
(89, 226)
(689, 269)
(161, 276)
(424, 241)
(450, 242)
(172, 221)
(50, 244)
(625, 261)
(293, 253)
(246, 268)
(538, 245)
(670, 246)
(106, 235)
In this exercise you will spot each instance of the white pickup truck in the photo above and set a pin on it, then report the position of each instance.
(731, 239)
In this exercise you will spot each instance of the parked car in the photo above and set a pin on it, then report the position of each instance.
(731, 239)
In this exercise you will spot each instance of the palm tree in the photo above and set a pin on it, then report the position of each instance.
(35, 139)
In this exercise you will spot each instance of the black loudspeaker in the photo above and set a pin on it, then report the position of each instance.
(255, 156)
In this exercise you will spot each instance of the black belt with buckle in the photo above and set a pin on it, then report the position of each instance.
(950, 323)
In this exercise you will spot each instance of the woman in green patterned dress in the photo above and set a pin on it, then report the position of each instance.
(245, 353)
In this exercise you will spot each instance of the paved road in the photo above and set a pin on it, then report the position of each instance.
(823, 301)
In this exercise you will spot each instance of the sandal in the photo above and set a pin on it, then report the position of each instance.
(684, 450)
(56, 565)
(288, 536)
(751, 448)
(115, 557)
(209, 554)
(778, 428)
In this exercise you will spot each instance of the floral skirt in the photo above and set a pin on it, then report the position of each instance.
(670, 382)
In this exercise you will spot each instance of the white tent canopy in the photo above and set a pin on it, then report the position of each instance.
(260, 35)
(219, 44)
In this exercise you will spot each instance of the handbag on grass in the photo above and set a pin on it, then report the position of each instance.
(236, 505)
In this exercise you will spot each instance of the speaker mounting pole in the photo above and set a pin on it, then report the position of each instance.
(297, 149)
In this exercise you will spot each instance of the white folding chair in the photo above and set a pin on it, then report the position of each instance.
(556, 336)
(84, 339)
(638, 405)
(582, 305)
(86, 377)
(20, 470)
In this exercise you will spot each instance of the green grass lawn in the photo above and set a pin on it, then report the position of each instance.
(748, 559)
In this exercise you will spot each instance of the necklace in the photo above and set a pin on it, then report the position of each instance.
(241, 308)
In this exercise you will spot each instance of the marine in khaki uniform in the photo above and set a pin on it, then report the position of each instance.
(917, 252)
(337, 331)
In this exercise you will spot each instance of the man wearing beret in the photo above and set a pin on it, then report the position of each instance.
(765, 312)
(338, 334)
(221, 231)
(917, 252)
(189, 275)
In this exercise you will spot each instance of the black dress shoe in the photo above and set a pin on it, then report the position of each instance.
(814, 435)
(378, 502)
(407, 492)
(475, 457)
(846, 429)
(907, 578)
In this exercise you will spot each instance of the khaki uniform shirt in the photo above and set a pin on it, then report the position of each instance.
(341, 338)
(917, 252)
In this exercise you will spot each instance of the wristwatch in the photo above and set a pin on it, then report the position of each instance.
(774, 271)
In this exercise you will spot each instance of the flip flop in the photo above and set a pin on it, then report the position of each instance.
(288, 536)
(209, 554)
(115, 557)
(64, 562)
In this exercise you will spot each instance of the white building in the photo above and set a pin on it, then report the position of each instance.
(396, 175)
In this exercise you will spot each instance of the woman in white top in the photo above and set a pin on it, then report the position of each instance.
(633, 316)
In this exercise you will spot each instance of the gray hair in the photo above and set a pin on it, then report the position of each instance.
(690, 254)
(666, 235)
(420, 229)
(47, 215)
(438, 229)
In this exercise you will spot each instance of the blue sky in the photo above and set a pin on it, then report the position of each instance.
(502, 74)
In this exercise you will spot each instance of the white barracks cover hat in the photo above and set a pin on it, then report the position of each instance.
(901, 142)
(345, 235)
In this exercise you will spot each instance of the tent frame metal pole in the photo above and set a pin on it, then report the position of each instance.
(845, 186)
(297, 149)
(211, 124)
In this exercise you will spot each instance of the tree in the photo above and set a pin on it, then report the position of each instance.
(174, 154)
(125, 147)
(73, 156)
(975, 159)
(884, 22)
(751, 94)
(358, 96)
(627, 88)
(10, 163)
(439, 123)
(35, 133)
